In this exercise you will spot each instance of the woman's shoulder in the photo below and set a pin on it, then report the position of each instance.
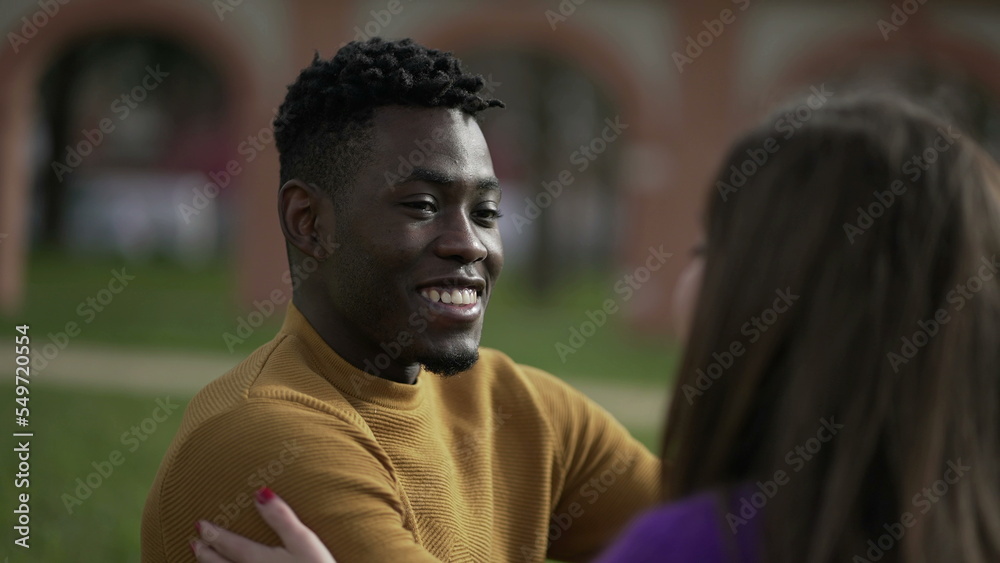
(694, 528)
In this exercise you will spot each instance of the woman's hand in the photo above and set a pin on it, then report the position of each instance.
(301, 545)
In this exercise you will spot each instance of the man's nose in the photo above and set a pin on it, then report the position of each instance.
(460, 241)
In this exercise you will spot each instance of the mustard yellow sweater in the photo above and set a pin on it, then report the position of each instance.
(503, 462)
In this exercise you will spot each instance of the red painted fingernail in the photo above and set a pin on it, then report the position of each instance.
(197, 527)
(264, 495)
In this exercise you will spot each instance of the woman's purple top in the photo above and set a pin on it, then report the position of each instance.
(694, 529)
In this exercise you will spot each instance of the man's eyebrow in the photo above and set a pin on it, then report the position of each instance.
(490, 183)
(427, 175)
(437, 177)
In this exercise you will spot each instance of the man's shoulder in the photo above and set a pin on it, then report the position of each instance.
(243, 431)
(263, 408)
(275, 381)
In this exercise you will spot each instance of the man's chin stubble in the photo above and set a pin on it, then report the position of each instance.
(450, 364)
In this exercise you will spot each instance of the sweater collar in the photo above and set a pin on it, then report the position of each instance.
(347, 378)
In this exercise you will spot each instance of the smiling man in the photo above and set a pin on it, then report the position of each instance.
(374, 412)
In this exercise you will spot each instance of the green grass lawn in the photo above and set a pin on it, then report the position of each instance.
(74, 428)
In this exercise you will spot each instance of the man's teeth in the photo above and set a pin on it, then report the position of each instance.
(451, 297)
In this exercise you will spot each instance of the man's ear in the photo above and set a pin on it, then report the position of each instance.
(306, 217)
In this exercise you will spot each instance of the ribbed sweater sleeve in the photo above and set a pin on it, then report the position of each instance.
(609, 476)
(325, 466)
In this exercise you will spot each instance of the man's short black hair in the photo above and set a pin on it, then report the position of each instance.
(322, 129)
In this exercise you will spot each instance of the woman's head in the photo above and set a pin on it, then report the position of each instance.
(850, 278)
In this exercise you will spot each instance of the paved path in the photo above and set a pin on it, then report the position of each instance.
(183, 373)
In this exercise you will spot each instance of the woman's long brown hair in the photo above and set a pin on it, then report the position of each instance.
(911, 414)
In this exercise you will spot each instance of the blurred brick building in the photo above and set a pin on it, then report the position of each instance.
(684, 76)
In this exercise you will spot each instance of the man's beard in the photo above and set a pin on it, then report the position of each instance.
(451, 363)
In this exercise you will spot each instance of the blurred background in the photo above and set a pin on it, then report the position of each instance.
(138, 174)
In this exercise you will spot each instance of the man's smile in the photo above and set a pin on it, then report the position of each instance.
(458, 299)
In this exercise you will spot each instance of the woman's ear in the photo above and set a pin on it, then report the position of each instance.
(306, 217)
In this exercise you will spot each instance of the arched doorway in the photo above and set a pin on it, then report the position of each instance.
(22, 71)
(128, 127)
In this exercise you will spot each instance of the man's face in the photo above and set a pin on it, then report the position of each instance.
(419, 245)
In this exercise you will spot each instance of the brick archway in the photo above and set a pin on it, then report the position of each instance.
(191, 25)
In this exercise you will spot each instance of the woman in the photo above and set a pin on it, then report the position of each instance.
(839, 395)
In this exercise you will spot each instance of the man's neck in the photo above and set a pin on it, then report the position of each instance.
(354, 350)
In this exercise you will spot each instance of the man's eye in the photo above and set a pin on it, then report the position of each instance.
(420, 205)
(489, 214)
